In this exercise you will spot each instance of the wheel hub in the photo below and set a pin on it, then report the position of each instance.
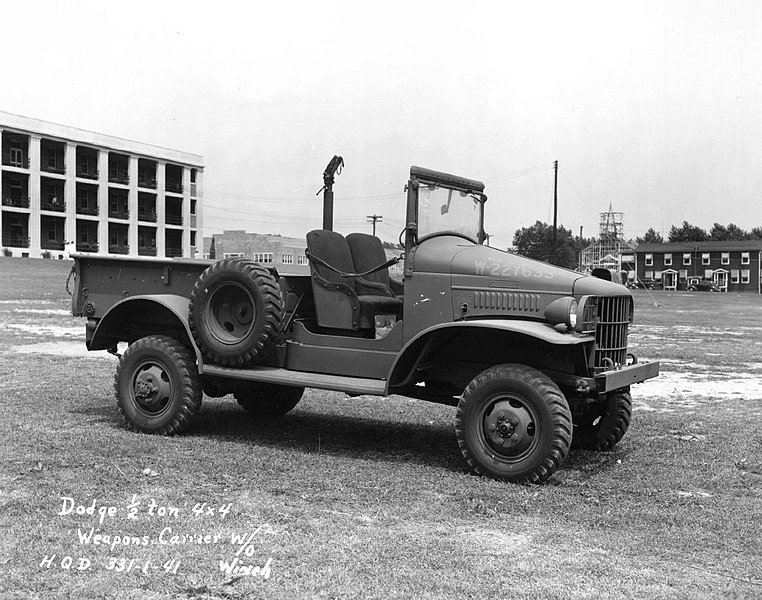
(231, 313)
(151, 387)
(509, 427)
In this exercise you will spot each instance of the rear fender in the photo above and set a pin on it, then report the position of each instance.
(138, 316)
(517, 334)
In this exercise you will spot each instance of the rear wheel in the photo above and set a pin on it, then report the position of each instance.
(603, 429)
(156, 384)
(513, 423)
(269, 400)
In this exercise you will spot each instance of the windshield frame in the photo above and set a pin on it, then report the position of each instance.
(458, 188)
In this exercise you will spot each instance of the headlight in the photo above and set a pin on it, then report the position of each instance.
(562, 311)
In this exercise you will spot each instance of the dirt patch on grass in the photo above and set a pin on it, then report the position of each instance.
(63, 349)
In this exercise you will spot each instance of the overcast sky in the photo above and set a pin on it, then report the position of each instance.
(653, 107)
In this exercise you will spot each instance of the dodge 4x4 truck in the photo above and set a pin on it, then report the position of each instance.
(533, 357)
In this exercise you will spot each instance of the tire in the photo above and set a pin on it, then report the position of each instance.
(522, 408)
(603, 429)
(269, 400)
(157, 387)
(236, 312)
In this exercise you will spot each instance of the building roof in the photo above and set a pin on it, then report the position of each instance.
(743, 246)
(66, 132)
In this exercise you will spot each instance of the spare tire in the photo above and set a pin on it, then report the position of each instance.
(236, 312)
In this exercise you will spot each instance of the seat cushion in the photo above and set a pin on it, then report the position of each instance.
(370, 306)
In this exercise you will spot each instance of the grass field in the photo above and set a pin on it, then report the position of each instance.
(371, 498)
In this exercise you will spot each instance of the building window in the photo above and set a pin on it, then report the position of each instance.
(705, 259)
(725, 258)
(744, 275)
(263, 257)
(649, 260)
(17, 154)
(708, 273)
(649, 274)
(734, 275)
(232, 255)
(287, 259)
(744, 258)
(668, 260)
(657, 275)
(686, 259)
(683, 273)
(301, 259)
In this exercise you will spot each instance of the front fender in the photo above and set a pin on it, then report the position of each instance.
(139, 316)
(410, 355)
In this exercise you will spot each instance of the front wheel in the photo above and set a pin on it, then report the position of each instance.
(157, 387)
(604, 429)
(513, 423)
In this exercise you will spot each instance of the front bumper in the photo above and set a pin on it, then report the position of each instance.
(619, 378)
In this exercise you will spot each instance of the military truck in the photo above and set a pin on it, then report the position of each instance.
(534, 358)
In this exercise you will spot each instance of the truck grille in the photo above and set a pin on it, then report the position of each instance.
(611, 331)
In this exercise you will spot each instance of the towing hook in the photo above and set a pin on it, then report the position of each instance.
(632, 358)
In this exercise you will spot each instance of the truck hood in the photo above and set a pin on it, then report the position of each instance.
(485, 267)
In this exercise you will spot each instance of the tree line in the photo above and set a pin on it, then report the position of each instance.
(691, 233)
(536, 241)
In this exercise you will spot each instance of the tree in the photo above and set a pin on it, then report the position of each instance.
(731, 233)
(537, 242)
(736, 234)
(211, 249)
(755, 233)
(650, 237)
(687, 233)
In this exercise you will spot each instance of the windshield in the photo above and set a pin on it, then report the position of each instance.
(442, 210)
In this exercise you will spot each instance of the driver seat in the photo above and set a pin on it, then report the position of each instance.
(338, 305)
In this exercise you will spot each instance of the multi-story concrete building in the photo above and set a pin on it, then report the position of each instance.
(731, 266)
(65, 189)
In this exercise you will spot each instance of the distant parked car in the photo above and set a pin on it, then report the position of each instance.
(703, 286)
(645, 284)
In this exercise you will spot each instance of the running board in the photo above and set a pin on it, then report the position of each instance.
(340, 383)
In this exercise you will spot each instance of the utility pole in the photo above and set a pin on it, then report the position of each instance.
(555, 211)
(373, 219)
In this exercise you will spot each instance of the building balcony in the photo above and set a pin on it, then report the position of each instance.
(120, 213)
(87, 210)
(118, 249)
(53, 205)
(87, 173)
(87, 246)
(52, 244)
(15, 201)
(173, 219)
(58, 168)
(15, 161)
(147, 181)
(15, 241)
(146, 250)
(115, 176)
(149, 217)
(174, 252)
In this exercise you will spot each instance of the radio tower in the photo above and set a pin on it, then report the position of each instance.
(609, 251)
